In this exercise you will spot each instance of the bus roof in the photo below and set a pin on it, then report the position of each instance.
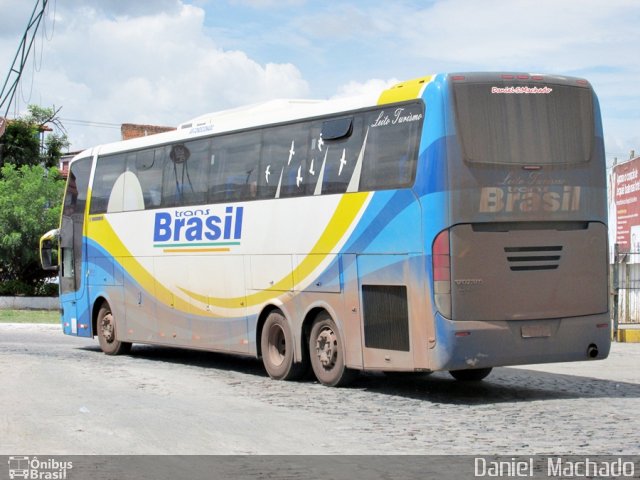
(284, 110)
(261, 114)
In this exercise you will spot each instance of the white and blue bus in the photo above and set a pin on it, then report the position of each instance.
(456, 222)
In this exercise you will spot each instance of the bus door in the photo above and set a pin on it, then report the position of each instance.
(76, 315)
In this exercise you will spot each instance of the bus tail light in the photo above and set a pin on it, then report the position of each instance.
(442, 273)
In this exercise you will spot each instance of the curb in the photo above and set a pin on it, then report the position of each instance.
(29, 303)
(629, 335)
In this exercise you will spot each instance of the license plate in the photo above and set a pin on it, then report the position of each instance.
(535, 331)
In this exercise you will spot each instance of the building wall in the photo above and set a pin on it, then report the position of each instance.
(132, 130)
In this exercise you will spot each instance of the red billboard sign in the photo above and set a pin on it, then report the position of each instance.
(626, 196)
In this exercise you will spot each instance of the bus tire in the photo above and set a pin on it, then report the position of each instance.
(278, 353)
(107, 334)
(326, 351)
(472, 375)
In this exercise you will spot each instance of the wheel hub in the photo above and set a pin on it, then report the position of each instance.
(277, 345)
(326, 350)
(107, 327)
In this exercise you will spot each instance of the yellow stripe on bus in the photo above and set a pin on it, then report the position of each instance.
(409, 90)
(344, 216)
(112, 244)
(346, 212)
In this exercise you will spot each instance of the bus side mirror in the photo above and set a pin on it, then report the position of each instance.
(49, 250)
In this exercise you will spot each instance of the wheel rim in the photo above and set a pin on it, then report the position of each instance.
(277, 345)
(327, 348)
(106, 327)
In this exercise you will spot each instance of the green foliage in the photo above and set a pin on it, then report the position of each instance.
(40, 115)
(54, 144)
(47, 290)
(20, 145)
(11, 288)
(30, 199)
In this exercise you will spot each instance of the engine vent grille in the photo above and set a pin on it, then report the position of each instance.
(524, 259)
(386, 317)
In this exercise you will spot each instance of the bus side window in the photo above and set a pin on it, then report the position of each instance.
(271, 163)
(196, 172)
(108, 170)
(341, 152)
(184, 173)
(149, 173)
(171, 186)
(390, 156)
(234, 171)
(285, 166)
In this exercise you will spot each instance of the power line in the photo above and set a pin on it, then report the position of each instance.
(19, 61)
(90, 123)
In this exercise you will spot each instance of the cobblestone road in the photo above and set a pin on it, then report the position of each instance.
(61, 395)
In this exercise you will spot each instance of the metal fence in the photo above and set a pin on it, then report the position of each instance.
(625, 289)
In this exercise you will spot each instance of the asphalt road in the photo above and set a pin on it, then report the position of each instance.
(60, 395)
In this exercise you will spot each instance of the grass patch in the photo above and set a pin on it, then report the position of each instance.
(29, 316)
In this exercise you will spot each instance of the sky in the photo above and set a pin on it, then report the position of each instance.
(163, 62)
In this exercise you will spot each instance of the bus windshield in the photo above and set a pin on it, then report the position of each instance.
(534, 123)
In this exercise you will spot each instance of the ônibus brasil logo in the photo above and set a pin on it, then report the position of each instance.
(35, 469)
(201, 229)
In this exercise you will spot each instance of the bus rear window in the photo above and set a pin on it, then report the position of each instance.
(502, 123)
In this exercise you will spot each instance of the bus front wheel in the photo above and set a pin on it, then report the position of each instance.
(472, 375)
(326, 350)
(276, 343)
(107, 334)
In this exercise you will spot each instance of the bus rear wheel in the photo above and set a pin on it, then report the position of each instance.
(276, 343)
(107, 334)
(326, 351)
(472, 375)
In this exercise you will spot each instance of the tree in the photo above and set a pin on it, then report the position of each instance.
(51, 148)
(30, 202)
(22, 143)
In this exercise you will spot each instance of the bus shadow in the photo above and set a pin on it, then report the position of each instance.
(502, 386)
(194, 358)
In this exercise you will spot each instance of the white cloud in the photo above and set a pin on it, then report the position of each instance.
(370, 88)
(585, 38)
(554, 35)
(157, 68)
(127, 8)
(160, 62)
(260, 4)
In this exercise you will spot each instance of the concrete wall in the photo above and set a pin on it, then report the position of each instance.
(29, 303)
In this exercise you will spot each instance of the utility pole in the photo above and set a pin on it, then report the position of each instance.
(19, 61)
